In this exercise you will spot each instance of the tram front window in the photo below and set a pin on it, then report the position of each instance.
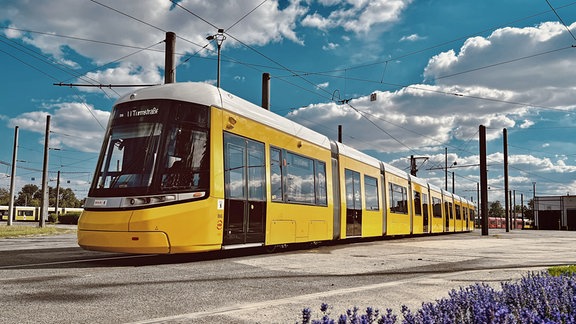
(154, 147)
(131, 156)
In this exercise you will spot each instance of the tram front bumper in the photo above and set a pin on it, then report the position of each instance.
(124, 241)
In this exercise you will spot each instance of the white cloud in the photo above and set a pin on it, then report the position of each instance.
(330, 46)
(424, 117)
(479, 63)
(357, 16)
(72, 125)
(411, 38)
(526, 124)
(152, 18)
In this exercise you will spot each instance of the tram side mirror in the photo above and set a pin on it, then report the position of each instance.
(172, 160)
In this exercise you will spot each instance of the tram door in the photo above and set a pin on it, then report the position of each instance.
(425, 220)
(353, 204)
(245, 185)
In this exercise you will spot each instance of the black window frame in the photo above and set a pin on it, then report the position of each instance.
(371, 193)
(398, 198)
(282, 170)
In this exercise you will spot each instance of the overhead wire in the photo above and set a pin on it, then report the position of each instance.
(560, 19)
(276, 62)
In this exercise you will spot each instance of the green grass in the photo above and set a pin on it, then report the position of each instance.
(30, 230)
(562, 270)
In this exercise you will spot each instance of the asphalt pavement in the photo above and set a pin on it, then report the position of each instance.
(45, 277)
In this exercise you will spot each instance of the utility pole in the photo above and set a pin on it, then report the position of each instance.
(446, 168)
(510, 210)
(522, 208)
(483, 180)
(13, 178)
(507, 202)
(169, 59)
(413, 166)
(44, 205)
(534, 203)
(266, 91)
(57, 194)
(514, 208)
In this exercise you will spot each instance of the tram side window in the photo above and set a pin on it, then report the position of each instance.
(371, 191)
(458, 215)
(417, 203)
(276, 175)
(437, 207)
(300, 179)
(398, 199)
(297, 179)
(321, 195)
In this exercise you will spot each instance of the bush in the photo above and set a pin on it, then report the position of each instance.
(52, 218)
(69, 218)
(562, 270)
(536, 298)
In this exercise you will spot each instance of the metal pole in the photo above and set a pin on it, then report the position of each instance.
(534, 203)
(507, 202)
(446, 168)
(57, 195)
(483, 180)
(510, 209)
(44, 205)
(170, 58)
(218, 73)
(266, 91)
(514, 208)
(13, 177)
(522, 208)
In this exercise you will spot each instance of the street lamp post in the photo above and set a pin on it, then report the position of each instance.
(219, 37)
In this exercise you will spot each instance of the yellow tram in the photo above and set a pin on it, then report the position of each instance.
(189, 167)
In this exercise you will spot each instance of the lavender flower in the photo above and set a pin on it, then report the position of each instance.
(536, 298)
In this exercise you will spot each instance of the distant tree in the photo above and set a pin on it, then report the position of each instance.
(29, 195)
(4, 197)
(529, 211)
(67, 198)
(496, 209)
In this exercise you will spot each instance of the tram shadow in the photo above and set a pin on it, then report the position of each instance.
(76, 257)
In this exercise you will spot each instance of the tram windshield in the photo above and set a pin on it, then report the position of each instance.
(154, 147)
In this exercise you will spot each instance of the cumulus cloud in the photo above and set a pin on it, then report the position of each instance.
(77, 126)
(330, 46)
(143, 31)
(452, 108)
(411, 38)
(357, 16)
(516, 59)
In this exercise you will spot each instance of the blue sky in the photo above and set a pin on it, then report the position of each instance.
(438, 68)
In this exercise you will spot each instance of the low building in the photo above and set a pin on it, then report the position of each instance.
(555, 213)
